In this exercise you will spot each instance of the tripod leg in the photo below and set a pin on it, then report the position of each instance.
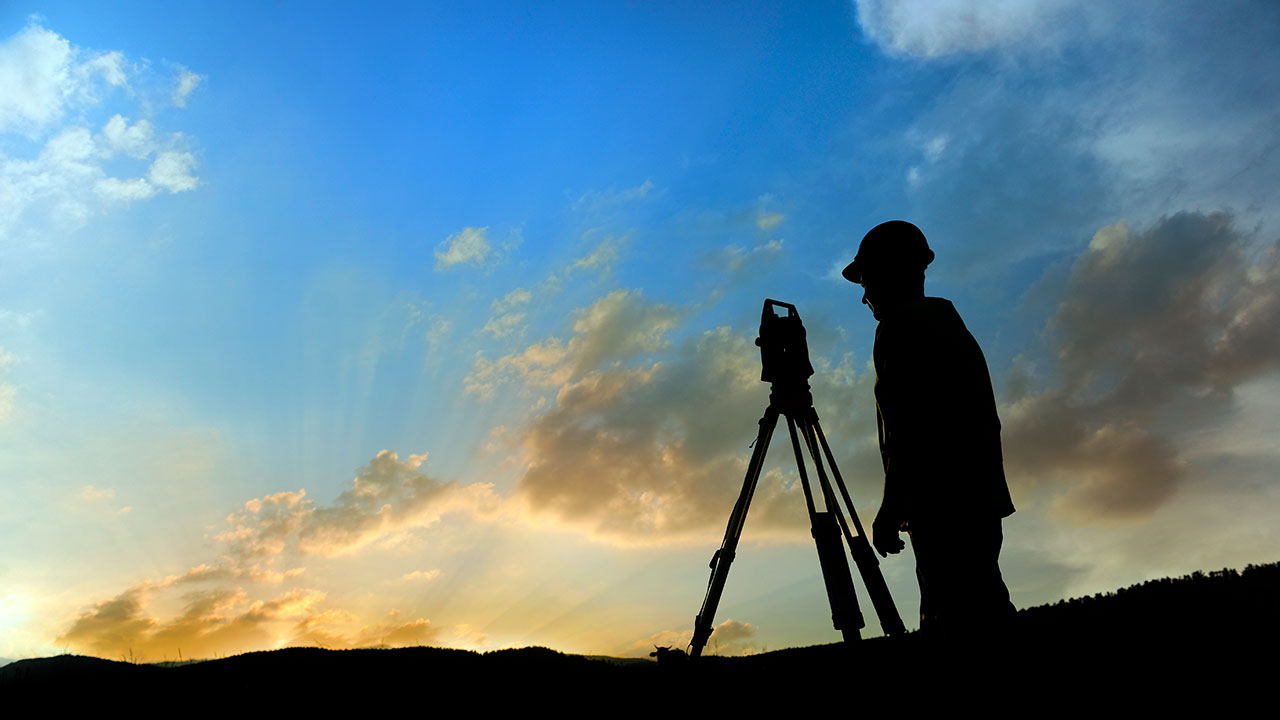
(863, 556)
(825, 527)
(828, 495)
(807, 426)
(800, 467)
(723, 558)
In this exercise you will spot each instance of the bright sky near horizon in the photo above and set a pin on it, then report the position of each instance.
(433, 323)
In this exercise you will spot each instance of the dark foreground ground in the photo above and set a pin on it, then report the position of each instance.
(1205, 641)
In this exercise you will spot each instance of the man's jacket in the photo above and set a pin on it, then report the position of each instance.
(936, 414)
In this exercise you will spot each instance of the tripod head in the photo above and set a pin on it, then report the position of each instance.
(784, 354)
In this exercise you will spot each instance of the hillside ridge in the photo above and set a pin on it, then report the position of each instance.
(1153, 630)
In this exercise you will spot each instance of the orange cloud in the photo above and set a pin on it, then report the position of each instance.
(213, 622)
(729, 638)
(647, 441)
(387, 496)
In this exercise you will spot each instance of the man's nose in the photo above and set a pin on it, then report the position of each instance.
(864, 298)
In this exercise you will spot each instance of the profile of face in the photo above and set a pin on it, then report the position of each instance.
(868, 296)
(874, 292)
(883, 289)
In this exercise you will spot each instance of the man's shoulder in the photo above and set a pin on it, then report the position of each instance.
(921, 315)
(935, 307)
(924, 330)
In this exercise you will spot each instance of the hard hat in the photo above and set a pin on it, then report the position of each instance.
(895, 244)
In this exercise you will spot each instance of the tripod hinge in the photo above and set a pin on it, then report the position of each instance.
(720, 554)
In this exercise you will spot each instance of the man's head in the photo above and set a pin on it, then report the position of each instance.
(890, 265)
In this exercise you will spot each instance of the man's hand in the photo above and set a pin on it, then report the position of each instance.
(885, 537)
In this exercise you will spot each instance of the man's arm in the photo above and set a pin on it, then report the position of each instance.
(889, 519)
(892, 419)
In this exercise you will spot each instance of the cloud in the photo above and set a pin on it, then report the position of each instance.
(729, 638)
(436, 331)
(500, 326)
(512, 300)
(406, 634)
(95, 497)
(1041, 151)
(1154, 333)
(117, 190)
(42, 75)
(932, 151)
(614, 327)
(937, 28)
(1014, 179)
(323, 630)
(187, 82)
(646, 440)
(33, 78)
(59, 179)
(225, 621)
(172, 171)
(89, 493)
(213, 622)
(732, 637)
(469, 245)
(597, 200)
(601, 258)
(387, 496)
(934, 147)
(113, 625)
(539, 365)
(618, 326)
(767, 221)
(136, 140)
(736, 259)
(507, 315)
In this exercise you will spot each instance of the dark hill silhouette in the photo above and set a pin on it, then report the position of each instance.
(1235, 599)
(1162, 642)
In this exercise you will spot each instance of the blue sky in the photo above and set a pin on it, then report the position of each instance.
(522, 249)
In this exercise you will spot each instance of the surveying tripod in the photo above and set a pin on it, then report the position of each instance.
(784, 355)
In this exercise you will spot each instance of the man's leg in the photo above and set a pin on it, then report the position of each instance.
(991, 605)
(958, 568)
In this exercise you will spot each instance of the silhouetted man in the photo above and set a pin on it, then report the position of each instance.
(939, 438)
